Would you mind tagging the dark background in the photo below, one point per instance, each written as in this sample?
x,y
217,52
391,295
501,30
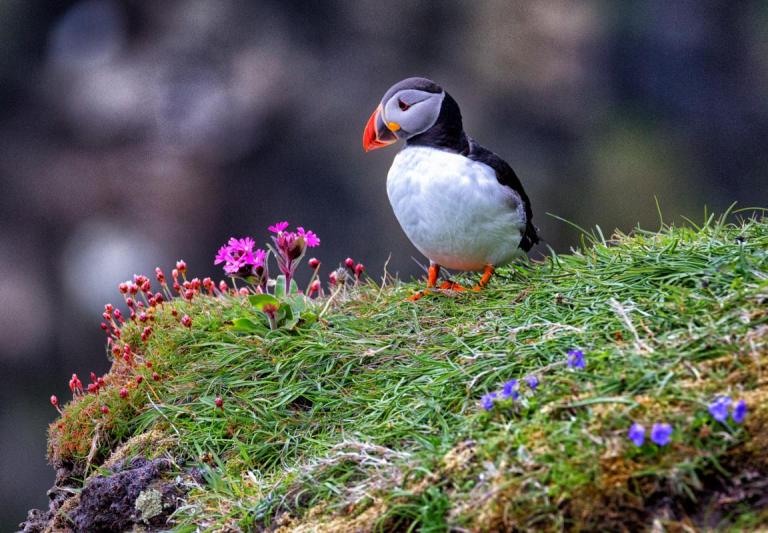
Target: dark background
x,y
135,133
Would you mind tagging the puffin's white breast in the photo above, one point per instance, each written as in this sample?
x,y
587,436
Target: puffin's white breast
x,y
454,210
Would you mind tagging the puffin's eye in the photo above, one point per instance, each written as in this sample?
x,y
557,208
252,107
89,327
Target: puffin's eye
x,y
403,106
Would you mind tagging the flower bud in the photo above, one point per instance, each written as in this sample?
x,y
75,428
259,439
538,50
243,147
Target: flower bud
x,y
123,393
105,409
92,388
54,400
93,376
142,317
100,383
350,263
108,308
314,287
359,269
155,376
333,278
313,263
123,288
159,276
219,402
181,266
186,321
139,379
104,326
223,287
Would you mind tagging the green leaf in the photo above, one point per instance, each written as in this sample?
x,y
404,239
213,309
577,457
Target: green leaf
x,y
260,300
246,325
280,287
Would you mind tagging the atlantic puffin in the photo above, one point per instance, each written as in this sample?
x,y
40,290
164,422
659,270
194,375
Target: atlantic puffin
x,y
461,205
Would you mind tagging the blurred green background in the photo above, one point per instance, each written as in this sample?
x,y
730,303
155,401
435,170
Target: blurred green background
x,y
133,133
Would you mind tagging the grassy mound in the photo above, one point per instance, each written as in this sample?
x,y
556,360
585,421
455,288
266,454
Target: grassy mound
x,y
370,417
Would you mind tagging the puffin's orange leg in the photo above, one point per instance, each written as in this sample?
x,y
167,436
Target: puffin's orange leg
x,y
452,286
434,271
487,273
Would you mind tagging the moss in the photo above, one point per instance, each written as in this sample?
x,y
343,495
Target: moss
x,y
368,418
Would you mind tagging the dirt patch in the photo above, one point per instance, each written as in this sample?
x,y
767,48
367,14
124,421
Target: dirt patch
x,y
134,493
108,503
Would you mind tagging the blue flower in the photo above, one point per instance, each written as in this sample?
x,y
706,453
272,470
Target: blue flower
x,y
532,382
576,359
510,390
719,408
739,411
637,434
660,434
487,401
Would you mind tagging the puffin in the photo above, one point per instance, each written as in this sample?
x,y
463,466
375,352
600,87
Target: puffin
x,y
461,205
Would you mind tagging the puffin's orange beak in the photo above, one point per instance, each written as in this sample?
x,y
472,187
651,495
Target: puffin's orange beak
x,y
377,134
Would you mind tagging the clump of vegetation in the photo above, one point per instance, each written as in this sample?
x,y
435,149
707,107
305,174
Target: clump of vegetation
x,y
619,386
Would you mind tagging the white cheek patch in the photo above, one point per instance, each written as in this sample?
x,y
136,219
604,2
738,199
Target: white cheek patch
x,y
422,115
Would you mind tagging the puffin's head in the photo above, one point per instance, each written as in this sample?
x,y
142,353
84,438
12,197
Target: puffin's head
x,y
409,107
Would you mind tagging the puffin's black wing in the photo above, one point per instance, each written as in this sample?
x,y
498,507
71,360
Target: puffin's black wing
x,y
507,176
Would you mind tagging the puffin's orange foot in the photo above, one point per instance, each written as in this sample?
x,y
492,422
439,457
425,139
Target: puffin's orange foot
x,y
487,273
451,286
418,296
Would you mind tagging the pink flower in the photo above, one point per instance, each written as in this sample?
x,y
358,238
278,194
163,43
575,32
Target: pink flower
x,y
239,258
310,237
278,227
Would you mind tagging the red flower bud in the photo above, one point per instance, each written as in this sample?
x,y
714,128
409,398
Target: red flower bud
x,y
129,302
93,375
219,402
350,263
123,288
148,364
160,276
139,379
189,294
332,278
104,326
118,314
181,266
54,400
105,409
92,388
155,376
223,287
186,321
159,298
108,308
123,392
359,268
314,263
142,317
314,287
100,382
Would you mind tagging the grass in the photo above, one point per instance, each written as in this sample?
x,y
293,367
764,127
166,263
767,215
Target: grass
x,y
369,419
